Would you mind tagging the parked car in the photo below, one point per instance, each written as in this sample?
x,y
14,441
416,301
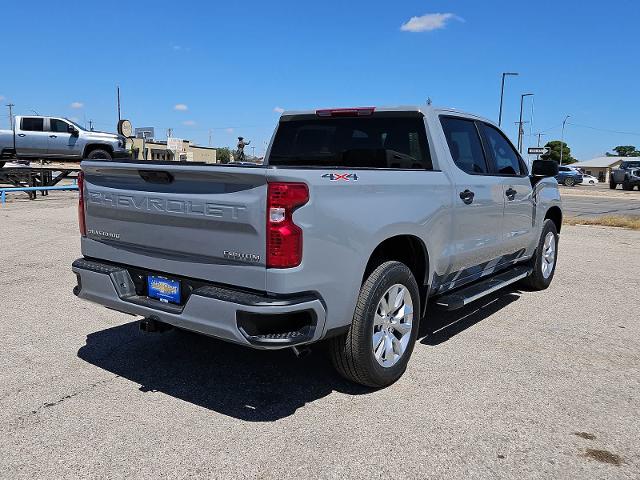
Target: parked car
x,y
589,179
627,174
357,220
568,176
53,138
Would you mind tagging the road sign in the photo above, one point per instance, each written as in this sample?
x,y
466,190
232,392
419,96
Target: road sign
x,y
537,150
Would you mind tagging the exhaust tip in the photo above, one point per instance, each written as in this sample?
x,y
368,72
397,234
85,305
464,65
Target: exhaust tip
x,y
301,352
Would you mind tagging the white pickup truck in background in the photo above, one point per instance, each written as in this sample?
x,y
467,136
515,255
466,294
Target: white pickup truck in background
x,y
57,138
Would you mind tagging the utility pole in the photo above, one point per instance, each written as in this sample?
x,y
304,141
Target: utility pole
x,y
562,138
169,132
11,105
504,74
210,133
539,134
520,131
253,150
118,94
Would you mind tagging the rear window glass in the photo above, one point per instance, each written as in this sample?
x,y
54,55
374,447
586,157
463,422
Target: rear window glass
x,y
32,124
358,142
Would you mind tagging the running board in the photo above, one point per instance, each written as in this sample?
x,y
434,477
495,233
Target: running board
x,y
475,291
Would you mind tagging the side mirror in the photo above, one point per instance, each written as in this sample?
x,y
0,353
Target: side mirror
x,y
544,168
72,130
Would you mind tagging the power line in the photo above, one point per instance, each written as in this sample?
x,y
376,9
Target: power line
x,y
603,129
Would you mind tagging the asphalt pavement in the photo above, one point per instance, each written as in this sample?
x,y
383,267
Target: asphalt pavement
x,y
522,385
597,201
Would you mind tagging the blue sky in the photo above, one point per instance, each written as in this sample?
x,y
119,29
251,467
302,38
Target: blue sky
x,y
233,64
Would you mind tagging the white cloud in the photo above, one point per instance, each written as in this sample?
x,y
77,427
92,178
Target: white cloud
x,y
229,130
181,107
189,123
278,109
428,22
77,105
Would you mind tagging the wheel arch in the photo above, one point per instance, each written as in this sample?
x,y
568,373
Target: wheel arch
x,y
408,249
555,215
96,146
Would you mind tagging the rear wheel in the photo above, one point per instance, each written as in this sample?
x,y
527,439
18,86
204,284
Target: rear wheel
x,y
569,182
545,258
626,185
376,349
99,154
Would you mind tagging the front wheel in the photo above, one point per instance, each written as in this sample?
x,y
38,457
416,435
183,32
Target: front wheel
x,y
626,185
569,182
376,349
99,154
544,259
612,185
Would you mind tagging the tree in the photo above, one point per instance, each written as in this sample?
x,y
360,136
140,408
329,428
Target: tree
x,y
625,151
223,155
554,152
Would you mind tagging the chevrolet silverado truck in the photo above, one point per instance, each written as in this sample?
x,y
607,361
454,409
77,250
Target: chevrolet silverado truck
x,y
358,219
52,138
627,175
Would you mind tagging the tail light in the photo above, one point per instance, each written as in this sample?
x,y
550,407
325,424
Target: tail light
x,y
284,238
81,219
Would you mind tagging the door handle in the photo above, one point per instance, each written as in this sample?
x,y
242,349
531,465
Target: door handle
x,y
467,196
510,193
21,135
53,136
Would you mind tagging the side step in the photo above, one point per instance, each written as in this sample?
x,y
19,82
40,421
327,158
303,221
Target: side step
x,y
475,291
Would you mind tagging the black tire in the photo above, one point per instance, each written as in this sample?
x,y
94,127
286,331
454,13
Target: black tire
x,y
626,185
569,182
537,280
99,154
352,353
612,185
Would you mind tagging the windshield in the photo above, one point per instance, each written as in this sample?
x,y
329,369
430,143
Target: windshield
x,y
631,164
384,141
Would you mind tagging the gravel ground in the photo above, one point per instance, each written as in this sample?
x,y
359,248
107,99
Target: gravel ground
x,y
523,385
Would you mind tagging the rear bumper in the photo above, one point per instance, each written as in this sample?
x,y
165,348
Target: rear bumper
x,y
250,319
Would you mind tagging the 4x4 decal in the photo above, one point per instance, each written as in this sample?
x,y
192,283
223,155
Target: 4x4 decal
x,y
346,177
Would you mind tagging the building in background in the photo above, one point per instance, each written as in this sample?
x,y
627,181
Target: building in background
x,y
159,151
600,167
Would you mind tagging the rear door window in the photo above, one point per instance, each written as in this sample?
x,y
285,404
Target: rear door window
x,y
464,144
29,124
382,140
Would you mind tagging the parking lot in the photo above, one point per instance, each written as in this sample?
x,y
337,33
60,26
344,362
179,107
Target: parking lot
x,y
521,385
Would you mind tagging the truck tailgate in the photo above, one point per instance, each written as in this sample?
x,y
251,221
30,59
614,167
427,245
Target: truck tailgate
x,y
198,221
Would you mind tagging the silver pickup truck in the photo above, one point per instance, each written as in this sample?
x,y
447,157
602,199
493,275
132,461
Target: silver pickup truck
x,y
358,218
53,138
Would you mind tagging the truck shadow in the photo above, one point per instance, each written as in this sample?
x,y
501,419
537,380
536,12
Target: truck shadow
x,y
251,385
438,326
247,384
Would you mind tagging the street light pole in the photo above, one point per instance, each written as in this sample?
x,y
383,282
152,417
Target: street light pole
x,y
562,138
520,131
504,74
